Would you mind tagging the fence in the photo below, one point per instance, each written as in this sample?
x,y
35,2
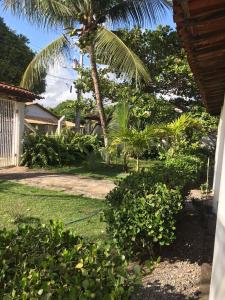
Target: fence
x,y
8,133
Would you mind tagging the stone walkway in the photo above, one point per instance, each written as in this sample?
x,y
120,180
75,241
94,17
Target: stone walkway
x,y
70,184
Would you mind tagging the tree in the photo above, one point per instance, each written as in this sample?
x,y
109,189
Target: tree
x,y
162,53
86,20
15,56
67,108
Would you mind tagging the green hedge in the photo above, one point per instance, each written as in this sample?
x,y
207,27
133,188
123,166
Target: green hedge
x,y
142,210
46,262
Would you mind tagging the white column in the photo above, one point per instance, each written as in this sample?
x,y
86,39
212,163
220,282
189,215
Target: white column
x,y
217,288
19,131
219,159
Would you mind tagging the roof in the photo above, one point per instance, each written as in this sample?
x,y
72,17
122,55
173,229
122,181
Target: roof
x,y
20,94
200,25
40,121
43,108
69,124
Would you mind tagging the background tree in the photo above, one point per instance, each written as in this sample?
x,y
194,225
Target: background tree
x,y
67,108
163,55
15,57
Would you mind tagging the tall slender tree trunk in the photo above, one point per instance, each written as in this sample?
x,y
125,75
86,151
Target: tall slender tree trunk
x,y
98,96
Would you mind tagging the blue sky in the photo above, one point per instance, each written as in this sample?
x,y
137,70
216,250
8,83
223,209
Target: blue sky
x,y
57,89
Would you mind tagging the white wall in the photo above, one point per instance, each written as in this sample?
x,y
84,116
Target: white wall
x,y
34,110
217,289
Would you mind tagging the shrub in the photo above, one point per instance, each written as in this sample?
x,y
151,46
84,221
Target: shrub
x,y
139,220
46,262
40,151
185,172
142,209
57,150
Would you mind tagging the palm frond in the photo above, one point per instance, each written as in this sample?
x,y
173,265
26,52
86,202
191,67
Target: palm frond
x,y
41,62
119,124
43,13
111,50
138,13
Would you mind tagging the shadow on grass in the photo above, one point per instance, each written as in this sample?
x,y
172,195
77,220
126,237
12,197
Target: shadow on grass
x,y
22,219
99,171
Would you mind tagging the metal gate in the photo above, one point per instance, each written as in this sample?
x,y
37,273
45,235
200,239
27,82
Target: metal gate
x,y
7,133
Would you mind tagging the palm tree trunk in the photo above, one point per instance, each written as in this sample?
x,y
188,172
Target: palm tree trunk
x,y
138,165
98,96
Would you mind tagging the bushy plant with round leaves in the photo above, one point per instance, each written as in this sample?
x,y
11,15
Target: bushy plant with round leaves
x,y
48,262
143,216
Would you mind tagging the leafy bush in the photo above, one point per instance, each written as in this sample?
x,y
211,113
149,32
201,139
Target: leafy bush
x,y
46,262
40,151
57,150
185,172
142,219
141,211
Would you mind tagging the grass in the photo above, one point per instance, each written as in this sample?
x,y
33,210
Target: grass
x,y
20,204
99,170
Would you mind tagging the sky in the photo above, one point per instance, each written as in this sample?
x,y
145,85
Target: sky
x,y
60,77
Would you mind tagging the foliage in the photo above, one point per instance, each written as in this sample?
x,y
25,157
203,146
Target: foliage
x,y
87,22
143,217
46,262
15,56
40,151
186,171
67,108
57,150
141,210
90,19
164,57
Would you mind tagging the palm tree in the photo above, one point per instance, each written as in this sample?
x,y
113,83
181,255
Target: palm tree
x,y
177,132
88,20
119,131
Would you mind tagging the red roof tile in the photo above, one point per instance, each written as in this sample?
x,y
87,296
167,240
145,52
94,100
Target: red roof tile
x,y
18,91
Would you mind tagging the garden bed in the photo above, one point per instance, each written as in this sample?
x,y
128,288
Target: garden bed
x,y
178,275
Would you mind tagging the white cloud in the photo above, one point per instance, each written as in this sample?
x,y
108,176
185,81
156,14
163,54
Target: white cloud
x,y
59,81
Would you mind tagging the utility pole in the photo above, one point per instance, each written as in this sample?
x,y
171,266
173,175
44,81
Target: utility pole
x,y
79,92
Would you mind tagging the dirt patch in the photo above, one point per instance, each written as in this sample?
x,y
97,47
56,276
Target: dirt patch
x,y
70,184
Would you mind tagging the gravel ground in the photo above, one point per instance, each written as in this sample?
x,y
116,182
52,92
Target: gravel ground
x,y
178,275
70,184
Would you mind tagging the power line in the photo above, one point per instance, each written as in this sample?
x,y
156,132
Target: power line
x,y
63,78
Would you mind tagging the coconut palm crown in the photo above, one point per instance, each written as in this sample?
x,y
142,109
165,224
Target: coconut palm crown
x,y
92,22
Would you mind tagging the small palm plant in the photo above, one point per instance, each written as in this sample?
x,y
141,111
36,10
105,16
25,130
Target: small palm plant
x,y
177,132
91,22
129,140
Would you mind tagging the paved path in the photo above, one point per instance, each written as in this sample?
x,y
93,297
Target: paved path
x,y
71,184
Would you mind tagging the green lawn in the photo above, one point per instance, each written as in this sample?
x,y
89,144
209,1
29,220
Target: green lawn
x,y
99,170
21,204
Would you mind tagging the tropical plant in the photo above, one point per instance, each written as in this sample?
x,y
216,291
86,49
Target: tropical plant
x,y
127,139
119,131
181,136
87,20
49,262
68,148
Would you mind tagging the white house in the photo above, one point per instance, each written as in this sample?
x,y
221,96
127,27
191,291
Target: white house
x,y
12,103
40,118
201,27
